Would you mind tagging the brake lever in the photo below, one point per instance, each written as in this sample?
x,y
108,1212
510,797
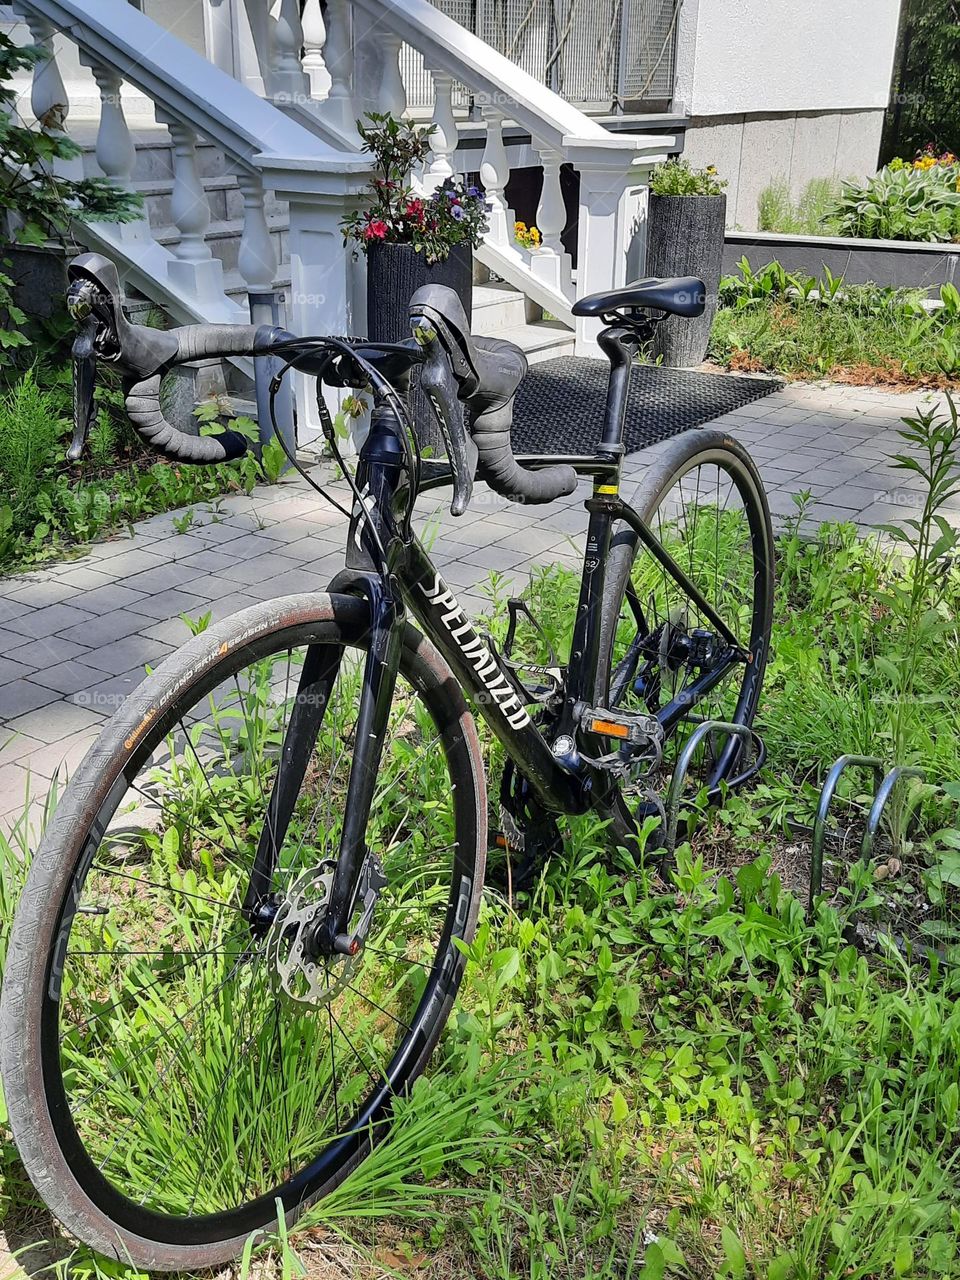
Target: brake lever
x,y
84,356
440,387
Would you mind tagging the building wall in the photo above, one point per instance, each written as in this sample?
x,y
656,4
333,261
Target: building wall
x,y
750,151
776,89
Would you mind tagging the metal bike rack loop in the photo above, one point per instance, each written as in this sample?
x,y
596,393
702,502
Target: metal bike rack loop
x,y
884,787
672,803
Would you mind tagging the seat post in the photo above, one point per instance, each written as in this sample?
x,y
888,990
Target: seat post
x,y
619,345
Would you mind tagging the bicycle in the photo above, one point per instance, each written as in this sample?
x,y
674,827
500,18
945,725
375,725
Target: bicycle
x,y
241,935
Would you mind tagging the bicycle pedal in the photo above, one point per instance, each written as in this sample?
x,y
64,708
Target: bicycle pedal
x,y
635,730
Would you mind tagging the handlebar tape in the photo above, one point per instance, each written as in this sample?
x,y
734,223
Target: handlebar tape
x,y
194,342
500,469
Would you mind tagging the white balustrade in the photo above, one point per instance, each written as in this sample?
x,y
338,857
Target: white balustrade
x,y
392,98
49,100
550,263
494,175
287,79
195,267
443,140
314,39
338,106
257,259
116,154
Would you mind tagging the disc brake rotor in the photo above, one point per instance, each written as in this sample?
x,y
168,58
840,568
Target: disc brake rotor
x,y
300,976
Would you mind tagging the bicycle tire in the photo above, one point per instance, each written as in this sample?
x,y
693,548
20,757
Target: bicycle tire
x,y
32,1073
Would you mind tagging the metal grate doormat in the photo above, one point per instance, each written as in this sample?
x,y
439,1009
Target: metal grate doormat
x,y
560,404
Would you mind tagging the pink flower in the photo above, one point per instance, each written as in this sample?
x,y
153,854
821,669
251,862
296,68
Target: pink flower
x,y
376,229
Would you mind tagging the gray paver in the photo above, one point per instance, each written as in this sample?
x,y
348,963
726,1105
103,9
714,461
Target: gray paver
x,y
22,696
13,670
45,652
56,720
49,621
123,655
68,677
106,628
173,602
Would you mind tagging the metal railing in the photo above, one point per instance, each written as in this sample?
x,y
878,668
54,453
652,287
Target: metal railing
x,y
609,55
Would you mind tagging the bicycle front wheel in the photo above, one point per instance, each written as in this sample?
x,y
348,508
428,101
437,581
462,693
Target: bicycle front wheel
x,y
172,1066
703,498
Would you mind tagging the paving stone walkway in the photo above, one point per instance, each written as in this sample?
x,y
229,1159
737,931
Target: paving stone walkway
x,y
75,637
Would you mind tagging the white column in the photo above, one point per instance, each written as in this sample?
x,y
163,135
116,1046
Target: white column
x,y
494,175
314,38
257,258
550,263
116,154
392,97
195,268
338,106
287,80
49,100
322,274
611,230
443,140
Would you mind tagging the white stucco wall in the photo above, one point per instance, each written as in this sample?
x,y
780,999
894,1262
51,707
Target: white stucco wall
x,y
747,56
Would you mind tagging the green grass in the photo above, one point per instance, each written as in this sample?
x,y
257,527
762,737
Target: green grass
x,y
647,1080
814,213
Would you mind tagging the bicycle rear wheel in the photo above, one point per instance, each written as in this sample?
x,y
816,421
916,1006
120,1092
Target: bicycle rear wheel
x,y
173,1068
704,500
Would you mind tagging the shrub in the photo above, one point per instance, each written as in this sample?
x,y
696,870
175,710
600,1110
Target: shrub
x,y
677,178
903,204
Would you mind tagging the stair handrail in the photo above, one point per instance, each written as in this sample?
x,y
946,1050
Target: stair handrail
x,y
496,81
185,84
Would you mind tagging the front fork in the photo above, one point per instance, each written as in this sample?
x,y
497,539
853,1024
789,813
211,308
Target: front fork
x,y
376,698
370,576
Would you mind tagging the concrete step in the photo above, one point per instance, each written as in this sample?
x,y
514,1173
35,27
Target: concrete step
x,y
153,154
497,307
223,195
543,340
223,237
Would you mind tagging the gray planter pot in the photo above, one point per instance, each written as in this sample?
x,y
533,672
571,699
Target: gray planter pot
x,y
685,238
394,273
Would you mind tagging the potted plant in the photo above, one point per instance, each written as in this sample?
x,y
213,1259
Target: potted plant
x,y
410,238
686,224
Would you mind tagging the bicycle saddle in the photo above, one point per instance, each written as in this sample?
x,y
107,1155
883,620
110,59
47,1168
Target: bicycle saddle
x,y
680,296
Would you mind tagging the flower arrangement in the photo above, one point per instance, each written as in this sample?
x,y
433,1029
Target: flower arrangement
x,y
528,237
677,178
929,158
454,214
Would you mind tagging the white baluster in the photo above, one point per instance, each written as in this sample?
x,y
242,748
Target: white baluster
x,y
339,107
49,100
392,97
195,267
257,259
443,141
550,262
116,154
494,175
287,80
314,38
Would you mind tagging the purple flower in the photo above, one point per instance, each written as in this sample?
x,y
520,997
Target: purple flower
x,y
473,191
457,213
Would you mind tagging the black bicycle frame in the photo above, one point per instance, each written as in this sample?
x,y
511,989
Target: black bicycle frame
x,y
387,565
